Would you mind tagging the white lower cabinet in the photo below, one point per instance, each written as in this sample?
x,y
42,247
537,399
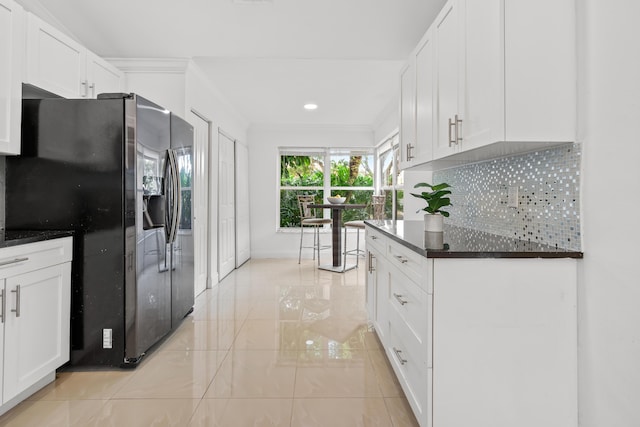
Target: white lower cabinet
x,y
35,285
483,342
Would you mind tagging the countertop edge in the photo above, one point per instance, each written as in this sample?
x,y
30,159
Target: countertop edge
x,y
433,253
22,237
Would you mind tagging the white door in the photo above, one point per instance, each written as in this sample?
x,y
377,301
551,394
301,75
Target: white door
x,y
200,202
226,206
407,112
243,234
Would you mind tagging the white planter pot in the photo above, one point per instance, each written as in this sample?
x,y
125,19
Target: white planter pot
x,y
433,223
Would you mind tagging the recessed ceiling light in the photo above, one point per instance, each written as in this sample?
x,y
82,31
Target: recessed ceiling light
x,y
310,106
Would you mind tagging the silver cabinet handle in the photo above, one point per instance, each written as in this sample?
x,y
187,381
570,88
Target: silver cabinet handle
x,y
371,258
458,130
14,261
451,141
399,298
400,359
409,150
85,88
17,309
401,259
92,86
374,238
2,306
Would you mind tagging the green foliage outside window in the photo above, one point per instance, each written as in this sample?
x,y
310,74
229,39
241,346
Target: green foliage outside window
x,y
308,171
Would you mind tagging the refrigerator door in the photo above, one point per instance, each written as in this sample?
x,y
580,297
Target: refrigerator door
x,y
148,295
182,287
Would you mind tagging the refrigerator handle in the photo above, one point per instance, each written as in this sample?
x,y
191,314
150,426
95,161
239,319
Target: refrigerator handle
x,y
175,198
168,189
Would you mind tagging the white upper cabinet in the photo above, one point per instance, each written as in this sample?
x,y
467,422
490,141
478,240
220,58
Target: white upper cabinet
x,y
407,113
503,72
417,105
101,76
448,73
60,65
11,53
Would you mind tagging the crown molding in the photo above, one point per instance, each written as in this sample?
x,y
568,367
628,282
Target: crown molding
x,y
279,127
151,65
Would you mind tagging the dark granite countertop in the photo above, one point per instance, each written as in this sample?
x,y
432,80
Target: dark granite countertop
x,y
20,237
459,242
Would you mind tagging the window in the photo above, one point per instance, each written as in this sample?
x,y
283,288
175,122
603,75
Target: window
x,y
391,177
324,171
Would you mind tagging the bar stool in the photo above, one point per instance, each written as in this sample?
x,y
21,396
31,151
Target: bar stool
x,y
377,203
307,219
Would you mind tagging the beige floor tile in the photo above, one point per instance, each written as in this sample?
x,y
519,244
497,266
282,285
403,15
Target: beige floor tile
x,y
387,380
173,374
145,413
86,385
400,412
267,335
339,374
298,336
203,335
340,413
61,413
255,374
243,413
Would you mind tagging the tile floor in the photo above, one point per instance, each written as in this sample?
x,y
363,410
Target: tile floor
x,y
274,344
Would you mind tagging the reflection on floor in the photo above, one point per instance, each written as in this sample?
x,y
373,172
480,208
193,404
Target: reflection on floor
x,y
274,344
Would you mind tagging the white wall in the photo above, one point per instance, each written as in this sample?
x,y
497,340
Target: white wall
x,y
609,285
266,242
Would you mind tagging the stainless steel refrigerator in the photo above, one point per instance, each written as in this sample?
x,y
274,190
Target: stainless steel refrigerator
x,y
111,170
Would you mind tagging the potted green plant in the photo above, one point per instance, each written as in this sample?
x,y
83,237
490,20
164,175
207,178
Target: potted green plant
x,y
436,200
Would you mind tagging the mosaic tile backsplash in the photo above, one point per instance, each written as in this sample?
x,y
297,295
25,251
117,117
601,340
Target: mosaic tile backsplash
x,y
548,185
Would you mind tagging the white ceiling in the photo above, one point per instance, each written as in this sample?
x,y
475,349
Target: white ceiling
x,y
266,58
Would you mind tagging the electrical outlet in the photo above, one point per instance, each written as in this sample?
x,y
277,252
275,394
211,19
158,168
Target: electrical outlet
x,y
512,198
107,338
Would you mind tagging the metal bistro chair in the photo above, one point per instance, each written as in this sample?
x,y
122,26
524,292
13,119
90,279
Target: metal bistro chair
x,y
377,204
307,219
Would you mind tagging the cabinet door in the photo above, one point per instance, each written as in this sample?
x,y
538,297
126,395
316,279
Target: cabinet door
x,y
11,51
36,326
55,62
483,115
447,34
407,113
102,76
425,99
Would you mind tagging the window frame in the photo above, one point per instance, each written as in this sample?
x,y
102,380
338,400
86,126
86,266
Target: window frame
x,y
326,188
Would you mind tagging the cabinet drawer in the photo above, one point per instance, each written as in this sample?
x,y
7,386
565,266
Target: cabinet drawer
x,y
412,306
33,256
376,240
409,262
411,370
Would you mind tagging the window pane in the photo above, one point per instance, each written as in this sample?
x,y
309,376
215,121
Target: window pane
x,y
399,204
352,170
289,210
386,172
359,197
298,171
